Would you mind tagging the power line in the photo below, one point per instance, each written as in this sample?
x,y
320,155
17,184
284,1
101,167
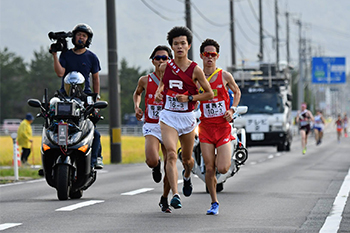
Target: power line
x,y
248,22
206,19
245,35
166,9
159,14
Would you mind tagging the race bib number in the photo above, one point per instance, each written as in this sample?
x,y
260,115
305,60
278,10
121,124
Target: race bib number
x,y
153,111
172,104
214,109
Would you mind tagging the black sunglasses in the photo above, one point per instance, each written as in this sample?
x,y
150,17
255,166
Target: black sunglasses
x,y
157,58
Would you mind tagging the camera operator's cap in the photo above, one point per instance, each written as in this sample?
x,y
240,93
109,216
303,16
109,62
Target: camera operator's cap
x,y
29,117
72,79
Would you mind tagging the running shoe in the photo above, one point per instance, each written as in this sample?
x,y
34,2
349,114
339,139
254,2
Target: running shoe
x,y
163,204
304,150
176,202
99,163
157,175
187,188
214,209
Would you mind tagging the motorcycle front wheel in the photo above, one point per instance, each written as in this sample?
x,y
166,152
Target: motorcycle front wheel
x,y
62,182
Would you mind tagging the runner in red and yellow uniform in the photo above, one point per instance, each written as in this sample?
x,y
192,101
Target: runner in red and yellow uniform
x,y
215,129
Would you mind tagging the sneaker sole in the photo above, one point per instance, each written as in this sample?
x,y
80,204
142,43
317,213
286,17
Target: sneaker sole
x,y
211,213
176,204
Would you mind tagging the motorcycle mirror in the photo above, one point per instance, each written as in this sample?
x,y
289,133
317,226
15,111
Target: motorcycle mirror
x,y
242,109
34,103
100,104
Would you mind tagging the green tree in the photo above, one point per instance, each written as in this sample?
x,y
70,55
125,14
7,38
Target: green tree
x,y
129,77
42,75
13,73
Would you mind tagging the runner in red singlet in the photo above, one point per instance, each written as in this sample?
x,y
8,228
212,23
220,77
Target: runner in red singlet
x,y
215,129
151,129
179,92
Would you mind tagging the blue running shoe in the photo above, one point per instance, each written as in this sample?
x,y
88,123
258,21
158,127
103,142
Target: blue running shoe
x,y
187,188
176,202
214,209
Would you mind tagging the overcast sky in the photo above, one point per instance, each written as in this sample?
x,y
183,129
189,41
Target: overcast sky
x,y
24,25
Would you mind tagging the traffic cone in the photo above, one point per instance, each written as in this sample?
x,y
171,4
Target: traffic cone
x,y
18,156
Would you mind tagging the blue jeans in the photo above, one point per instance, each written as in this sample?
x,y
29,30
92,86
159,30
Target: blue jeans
x,y
96,148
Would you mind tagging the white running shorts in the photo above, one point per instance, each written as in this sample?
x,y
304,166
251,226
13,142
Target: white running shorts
x,y
152,129
182,122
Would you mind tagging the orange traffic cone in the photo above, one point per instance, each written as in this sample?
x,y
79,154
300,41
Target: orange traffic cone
x,y
18,156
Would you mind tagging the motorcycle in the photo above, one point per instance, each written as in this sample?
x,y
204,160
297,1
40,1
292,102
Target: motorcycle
x,y
239,152
67,137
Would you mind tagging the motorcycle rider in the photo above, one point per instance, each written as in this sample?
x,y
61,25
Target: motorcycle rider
x,y
177,119
214,128
151,128
82,60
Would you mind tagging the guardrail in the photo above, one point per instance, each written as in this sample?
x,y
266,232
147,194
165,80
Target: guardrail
x,y
127,130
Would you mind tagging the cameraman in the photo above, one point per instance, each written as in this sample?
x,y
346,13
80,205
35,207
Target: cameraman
x,y
84,61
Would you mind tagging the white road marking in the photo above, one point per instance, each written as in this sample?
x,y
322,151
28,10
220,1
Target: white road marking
x,y
137,191
80,205
5,226
270,156
334,218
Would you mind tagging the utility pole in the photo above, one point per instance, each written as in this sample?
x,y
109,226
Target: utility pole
x,y
113,84
277,40
189,24
233,43
261,54
301,73
287,26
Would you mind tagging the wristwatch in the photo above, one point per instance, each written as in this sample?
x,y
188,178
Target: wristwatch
x,y
190,98
234,108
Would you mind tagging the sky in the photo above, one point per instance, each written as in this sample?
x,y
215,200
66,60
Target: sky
x,y
143,24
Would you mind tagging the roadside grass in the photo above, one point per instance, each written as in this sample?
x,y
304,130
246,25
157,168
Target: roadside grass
x,y
24,173
133,151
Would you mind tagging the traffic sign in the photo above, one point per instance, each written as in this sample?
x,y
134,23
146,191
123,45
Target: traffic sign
x,y
331,70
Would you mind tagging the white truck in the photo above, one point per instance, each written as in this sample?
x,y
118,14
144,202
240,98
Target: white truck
x,y
268,121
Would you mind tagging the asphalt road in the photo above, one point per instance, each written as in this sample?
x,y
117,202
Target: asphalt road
x,y
273,192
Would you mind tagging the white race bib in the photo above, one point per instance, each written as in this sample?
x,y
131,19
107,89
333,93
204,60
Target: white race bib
x,y
153,111
214,109
172,104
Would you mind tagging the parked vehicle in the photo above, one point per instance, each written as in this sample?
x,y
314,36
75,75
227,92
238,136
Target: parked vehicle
x,y
238,158
67,138
11,125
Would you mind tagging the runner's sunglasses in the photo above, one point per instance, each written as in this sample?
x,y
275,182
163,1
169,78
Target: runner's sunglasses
x,y
207,54
157,58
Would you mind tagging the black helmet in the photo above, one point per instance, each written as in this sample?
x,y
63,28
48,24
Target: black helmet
x,y
82,27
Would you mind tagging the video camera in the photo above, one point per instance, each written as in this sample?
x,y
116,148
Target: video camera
x,y
61,42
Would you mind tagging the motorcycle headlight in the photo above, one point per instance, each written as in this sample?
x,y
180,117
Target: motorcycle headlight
x,y
71,140
52,136
74,138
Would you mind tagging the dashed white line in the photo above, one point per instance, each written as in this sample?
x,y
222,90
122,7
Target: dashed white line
x,y
138,191
5,226
79,205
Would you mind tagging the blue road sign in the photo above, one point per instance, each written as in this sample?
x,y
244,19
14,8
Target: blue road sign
x,y
329,70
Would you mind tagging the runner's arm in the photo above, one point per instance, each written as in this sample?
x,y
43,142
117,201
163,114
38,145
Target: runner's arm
x,y
141,86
